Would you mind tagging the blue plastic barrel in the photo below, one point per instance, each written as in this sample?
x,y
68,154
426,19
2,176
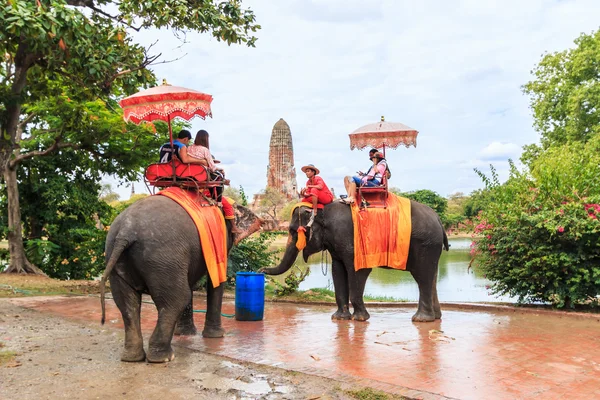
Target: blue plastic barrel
x,y
249,296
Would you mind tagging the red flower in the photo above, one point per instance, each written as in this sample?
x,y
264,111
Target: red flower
x,y
560,229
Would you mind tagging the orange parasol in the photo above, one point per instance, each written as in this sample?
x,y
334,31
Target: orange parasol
x,y
164,103
383,134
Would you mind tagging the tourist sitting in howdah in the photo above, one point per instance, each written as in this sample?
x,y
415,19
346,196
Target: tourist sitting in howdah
x,y
372,178
200,150
316,191
179,149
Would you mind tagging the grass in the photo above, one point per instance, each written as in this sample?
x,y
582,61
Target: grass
x,y
15,285
5,355
389,299
371,394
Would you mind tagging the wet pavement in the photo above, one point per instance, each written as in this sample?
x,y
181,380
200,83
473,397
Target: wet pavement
x,y
467,355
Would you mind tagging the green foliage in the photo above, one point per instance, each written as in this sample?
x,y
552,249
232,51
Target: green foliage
x,y
292,281
244,199
430,198
271,203
252,254
541,233
565,95
477,201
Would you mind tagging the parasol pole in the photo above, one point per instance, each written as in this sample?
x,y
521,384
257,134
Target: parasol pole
x,y
383,120
172,148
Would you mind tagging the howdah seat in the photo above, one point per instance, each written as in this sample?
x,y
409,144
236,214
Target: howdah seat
x,y
375,196
176,173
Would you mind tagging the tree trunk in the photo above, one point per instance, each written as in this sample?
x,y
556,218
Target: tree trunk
x,y
18,260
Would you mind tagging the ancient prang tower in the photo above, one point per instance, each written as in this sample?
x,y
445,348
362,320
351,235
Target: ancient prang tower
x,y
281,173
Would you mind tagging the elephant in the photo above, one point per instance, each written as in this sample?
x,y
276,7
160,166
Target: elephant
x,y
332,230
153,248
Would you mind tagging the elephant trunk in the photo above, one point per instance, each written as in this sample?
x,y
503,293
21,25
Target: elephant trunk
x,y
291,252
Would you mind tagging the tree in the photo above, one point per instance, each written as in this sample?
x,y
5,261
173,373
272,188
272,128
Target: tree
x,y
271,202
107,194
565,95
65,60
427,197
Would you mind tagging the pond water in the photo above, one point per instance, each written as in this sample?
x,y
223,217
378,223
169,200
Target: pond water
x,y
456,282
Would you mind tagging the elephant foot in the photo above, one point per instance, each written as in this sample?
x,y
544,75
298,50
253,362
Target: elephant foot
x,y
155,356
137,355
185,330
213,332
438,315
361,315
421,316
341,315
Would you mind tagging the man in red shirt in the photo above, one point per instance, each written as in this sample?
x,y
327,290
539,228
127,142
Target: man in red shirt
x,y
316,191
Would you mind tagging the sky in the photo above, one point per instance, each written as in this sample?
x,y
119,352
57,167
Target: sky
x,y
452,70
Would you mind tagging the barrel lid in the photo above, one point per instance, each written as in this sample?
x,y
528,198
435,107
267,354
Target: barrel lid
x,y
249,273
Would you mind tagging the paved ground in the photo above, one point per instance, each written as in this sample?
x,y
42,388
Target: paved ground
x,y
467,355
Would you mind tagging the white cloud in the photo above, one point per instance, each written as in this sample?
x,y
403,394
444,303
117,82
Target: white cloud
x,y
500,151
452,70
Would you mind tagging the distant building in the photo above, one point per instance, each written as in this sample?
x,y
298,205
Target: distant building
x,y
281,173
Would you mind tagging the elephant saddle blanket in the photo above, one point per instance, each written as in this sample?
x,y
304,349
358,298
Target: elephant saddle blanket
x,y
211,227
382,235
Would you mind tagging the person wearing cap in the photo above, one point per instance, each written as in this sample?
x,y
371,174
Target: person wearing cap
x,y
316,191
179,150
372,178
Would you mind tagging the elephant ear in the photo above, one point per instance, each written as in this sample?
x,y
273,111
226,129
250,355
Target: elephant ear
x,y
246,221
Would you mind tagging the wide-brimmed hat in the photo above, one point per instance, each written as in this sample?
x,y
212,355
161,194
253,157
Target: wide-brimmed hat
x,y
377,155
310,166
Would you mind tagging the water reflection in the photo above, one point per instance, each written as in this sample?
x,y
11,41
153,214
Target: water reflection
x,y
455,282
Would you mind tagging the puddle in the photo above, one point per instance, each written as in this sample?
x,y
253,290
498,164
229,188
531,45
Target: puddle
x,y
240,380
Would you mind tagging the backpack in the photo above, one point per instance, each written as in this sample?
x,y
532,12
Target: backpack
x,y
388,173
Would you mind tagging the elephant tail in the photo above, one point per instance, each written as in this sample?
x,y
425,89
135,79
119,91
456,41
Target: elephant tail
x,y
119,247
446,245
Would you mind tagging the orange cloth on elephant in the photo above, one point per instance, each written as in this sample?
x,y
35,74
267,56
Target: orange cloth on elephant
x,y
212,231
382,235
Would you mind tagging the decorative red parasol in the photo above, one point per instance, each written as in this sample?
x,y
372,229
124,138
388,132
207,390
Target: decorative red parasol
x,y
383,134
164,103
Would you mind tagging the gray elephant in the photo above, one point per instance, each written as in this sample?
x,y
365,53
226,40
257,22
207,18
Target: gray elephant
x,y
332,230
153,247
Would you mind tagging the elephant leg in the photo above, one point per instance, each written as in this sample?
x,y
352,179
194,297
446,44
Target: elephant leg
x,y
214,301
185,325
129,302
425,277
169,308
357,289
340,286
437,310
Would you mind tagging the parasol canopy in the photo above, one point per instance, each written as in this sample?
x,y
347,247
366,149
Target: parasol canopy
x,y
383,134
164,103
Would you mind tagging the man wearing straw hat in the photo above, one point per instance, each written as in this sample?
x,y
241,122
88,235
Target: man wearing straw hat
x,y
316,191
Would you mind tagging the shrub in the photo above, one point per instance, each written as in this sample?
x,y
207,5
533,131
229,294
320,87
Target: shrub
x,y
540,236
251,254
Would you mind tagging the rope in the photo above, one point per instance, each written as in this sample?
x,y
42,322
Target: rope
x,y
34,292
324,271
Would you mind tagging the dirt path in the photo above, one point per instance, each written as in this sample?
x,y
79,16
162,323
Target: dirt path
x,y
62,359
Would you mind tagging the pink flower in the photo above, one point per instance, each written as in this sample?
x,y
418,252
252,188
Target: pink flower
x,y
560,229
489,236
561,212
